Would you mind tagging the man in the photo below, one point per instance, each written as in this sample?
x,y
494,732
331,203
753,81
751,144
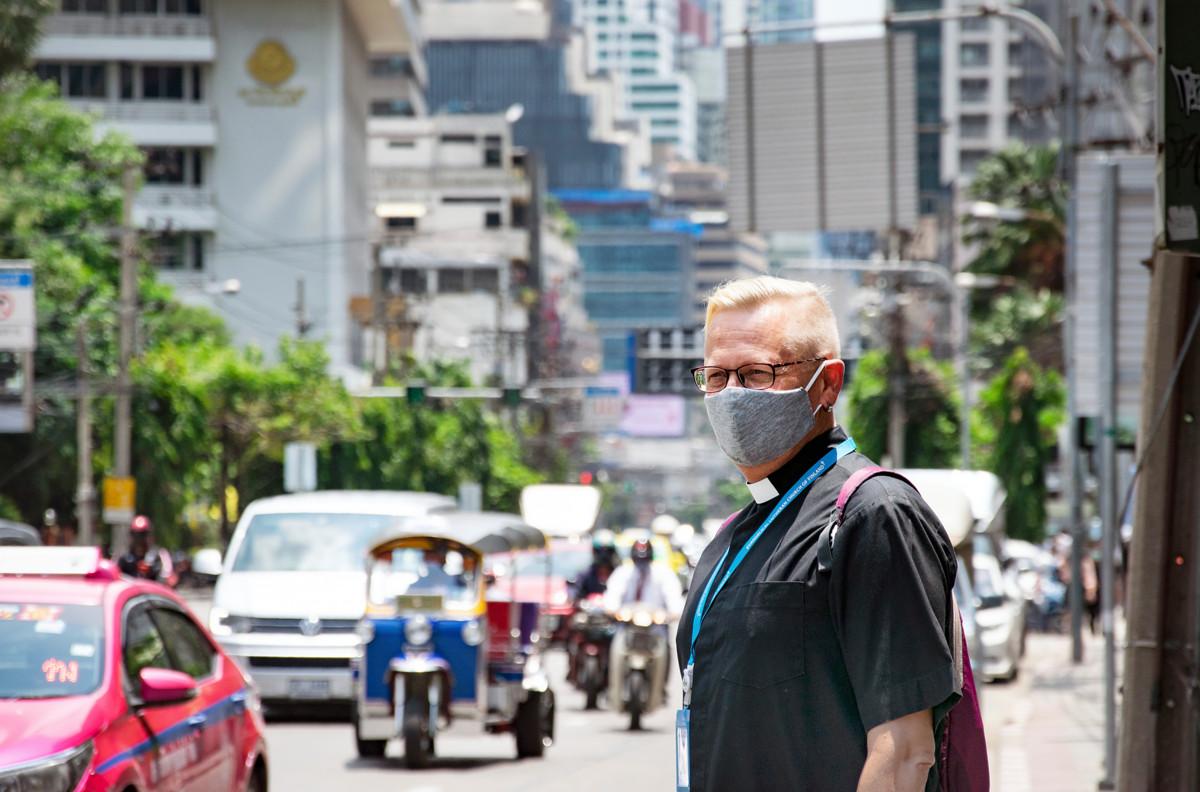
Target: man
x,y
604,562
809,676
144,559
652,586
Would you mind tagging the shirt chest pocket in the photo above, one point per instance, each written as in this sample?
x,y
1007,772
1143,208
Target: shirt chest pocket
x,y
763,640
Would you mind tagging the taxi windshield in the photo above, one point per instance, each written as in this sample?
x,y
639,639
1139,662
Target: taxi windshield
x,y
49,650
415,571
309,542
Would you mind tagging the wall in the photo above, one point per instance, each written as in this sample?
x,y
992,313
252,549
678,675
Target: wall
x,y
289,176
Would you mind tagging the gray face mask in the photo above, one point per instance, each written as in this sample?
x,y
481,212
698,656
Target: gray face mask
x,y
754,427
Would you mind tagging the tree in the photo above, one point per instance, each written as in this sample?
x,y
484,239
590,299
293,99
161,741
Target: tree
x,y
20,25
1019,412
932,402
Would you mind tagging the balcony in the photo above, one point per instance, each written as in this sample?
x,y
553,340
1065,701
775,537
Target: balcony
x,y
160,39
384,180
175,207
156,123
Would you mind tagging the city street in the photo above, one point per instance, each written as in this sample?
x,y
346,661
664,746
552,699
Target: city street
x,y
593,751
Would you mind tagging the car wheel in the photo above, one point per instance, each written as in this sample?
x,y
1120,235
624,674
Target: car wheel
x,y
367,749
529,727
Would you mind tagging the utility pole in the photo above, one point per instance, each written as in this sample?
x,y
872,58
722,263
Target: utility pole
x,y
1108,455
379,320
127,314
85,491
303,323
897,379
533,278
1072,464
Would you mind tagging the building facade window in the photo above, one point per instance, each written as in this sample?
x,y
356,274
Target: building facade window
x,y
392,108
974,55
161,7
177,166
976,24
974,90
973,127
493,151
76,80
178,252
400,223
84,7
493,220
161,82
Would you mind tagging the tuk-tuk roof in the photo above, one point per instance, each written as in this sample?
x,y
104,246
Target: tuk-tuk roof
x,y
486,532
15,533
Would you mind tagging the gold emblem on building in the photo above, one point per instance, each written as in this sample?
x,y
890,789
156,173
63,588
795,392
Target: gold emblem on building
x,y
271,64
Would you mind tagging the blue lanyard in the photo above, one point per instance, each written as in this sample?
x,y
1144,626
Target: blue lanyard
x,y
815,472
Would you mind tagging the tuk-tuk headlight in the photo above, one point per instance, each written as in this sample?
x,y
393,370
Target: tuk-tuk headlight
x,y
418,631
472,633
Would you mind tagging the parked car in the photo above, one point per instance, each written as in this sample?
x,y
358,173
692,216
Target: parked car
x,y
293,586
1000,616
108,682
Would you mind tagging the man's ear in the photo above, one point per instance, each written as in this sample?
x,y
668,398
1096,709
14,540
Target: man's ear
x,y
834,377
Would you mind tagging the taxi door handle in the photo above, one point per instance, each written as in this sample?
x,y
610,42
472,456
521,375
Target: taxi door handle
x,y
197,721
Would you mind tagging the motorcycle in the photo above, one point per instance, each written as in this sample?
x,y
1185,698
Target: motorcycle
x,y
639,656
588,644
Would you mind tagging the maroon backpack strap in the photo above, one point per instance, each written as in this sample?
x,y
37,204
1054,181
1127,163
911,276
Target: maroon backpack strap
x,y
851,486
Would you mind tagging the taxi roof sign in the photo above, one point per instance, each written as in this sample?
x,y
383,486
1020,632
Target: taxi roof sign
x,y
73,561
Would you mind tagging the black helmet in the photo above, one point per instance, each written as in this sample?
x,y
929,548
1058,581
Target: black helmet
x,y
642,550
604,547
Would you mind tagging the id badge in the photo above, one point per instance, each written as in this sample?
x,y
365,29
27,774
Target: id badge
x,y
683,719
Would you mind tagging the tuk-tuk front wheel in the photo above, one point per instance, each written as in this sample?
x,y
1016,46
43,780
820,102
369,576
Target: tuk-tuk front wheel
x,y
534,725
367,749
418,742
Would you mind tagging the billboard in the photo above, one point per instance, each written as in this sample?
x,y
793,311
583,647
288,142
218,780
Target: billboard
x,y
18,317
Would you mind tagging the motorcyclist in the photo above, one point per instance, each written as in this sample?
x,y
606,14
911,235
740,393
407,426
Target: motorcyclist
x,y
604,562
650,585
144,559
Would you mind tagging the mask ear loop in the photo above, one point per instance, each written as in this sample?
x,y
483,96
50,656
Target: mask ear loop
x,y
808,387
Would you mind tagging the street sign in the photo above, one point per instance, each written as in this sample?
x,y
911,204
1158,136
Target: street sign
x,y
299,467
1179,103
18,317
120,499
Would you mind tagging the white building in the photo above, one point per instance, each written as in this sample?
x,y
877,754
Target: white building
x,y
638,40
988,74
253,117
453,199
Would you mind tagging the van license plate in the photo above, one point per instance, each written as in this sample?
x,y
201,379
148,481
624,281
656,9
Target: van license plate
x,y
308,688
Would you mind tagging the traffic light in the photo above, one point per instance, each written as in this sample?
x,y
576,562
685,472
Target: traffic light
x,y
512,397
415,394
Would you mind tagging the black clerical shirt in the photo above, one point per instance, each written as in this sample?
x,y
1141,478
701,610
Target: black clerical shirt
x,y
795,664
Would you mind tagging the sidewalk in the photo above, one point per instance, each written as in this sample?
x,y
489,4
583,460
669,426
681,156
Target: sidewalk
x,y
1045,731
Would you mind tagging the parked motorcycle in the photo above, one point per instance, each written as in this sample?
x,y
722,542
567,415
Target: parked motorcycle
x,y
588,644
638,662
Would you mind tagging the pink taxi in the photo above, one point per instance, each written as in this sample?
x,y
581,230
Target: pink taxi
x,y
110,683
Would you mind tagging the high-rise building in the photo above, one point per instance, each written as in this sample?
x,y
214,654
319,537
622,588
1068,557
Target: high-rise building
x,y
492,57
253,118
929,102
706,67
639,41
996,88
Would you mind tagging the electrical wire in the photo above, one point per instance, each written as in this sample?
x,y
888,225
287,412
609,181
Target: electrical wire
x,y
1161,413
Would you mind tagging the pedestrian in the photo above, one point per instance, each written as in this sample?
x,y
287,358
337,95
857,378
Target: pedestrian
x,y
804,671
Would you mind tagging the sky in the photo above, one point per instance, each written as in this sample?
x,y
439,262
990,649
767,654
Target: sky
x,y
848,11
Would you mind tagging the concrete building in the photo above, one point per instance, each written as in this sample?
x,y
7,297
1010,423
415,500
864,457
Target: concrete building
x,y
485,56
996,87
253,117
823,157
928,37
696,193
639,41
452,197
706,67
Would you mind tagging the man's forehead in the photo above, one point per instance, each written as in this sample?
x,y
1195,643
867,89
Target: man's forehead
x,y
760,330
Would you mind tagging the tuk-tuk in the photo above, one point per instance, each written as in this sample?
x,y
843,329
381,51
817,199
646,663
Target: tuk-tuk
x,y
435,648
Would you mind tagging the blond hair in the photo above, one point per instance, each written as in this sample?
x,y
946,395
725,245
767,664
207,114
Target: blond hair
x,y
814,328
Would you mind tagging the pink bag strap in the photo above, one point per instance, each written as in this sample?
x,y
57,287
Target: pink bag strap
x,y
851,486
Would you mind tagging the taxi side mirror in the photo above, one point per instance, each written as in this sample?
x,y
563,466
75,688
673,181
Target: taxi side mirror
x,y
165,686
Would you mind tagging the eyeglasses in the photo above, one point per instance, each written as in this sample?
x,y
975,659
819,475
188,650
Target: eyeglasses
x,y
755,376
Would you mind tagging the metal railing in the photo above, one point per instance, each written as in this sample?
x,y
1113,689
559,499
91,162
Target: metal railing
x,y
128,25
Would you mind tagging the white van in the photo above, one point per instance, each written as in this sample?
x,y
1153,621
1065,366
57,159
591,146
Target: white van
x,y
293,586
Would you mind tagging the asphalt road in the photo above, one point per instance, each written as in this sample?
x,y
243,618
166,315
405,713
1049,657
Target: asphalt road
x,y
592,751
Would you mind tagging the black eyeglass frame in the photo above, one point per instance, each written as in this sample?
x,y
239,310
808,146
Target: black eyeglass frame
x,y
775,367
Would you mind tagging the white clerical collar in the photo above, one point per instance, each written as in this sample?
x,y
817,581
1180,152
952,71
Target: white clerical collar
x,y
763,490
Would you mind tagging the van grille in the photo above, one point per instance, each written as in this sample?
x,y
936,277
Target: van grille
x,y
299,662
292,626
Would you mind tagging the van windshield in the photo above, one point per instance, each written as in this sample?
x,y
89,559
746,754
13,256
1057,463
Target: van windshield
x,y
310,542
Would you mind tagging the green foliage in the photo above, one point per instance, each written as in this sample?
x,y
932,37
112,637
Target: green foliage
x,y
1021,317
932,402
20,22
1031,251
1020,410
210,420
